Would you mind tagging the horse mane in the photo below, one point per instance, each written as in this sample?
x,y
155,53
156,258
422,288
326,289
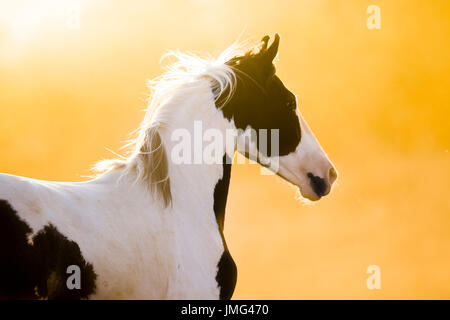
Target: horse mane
x,y
148,158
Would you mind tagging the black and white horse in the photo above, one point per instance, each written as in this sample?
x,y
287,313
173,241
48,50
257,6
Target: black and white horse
x,y
151,227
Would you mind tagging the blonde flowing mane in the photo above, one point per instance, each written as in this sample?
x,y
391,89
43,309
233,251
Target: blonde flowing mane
x,y
148,158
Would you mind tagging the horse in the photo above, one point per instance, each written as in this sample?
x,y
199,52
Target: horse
x,y
148,227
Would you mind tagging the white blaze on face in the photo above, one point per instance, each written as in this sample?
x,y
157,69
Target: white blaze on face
x,y
308,160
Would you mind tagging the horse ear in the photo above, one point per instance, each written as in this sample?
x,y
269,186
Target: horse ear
x,y
273,49
265,41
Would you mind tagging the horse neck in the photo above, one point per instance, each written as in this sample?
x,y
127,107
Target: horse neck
x,y
192,184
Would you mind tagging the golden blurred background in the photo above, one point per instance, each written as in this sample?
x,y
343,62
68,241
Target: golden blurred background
x,y
377,100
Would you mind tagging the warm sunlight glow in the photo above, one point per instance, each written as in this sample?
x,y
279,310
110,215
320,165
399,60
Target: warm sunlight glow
x,y
376,97
24,21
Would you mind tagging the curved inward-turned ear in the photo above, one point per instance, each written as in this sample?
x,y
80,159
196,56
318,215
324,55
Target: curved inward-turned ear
x,y
265,41
273,49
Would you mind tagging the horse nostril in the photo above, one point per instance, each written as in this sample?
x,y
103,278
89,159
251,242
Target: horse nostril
x,y
318,184
332,175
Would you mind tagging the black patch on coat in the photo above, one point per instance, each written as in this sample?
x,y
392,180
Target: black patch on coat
x,y
37,268
227,274
261,100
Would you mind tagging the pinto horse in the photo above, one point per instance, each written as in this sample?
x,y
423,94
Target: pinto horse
x,y
149,227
